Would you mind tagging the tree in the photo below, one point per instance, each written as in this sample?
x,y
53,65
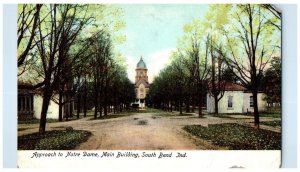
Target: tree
x,y
28,22
58,39
217,82
60,30
249,48
216,18
276,15
272,82
179,78
199,66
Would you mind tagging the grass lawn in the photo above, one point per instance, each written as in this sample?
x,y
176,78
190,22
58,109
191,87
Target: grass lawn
x,y
271,115
22,129
223,116
147,110
35,121
237,137
53,140
173,114
272,123
110,116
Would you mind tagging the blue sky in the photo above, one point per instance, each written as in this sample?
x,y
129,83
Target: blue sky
x,y
152,32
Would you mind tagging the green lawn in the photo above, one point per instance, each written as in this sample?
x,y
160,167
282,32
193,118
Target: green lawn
x,y
36,121
147,110
271,115
272,123
222,116
53,140
110,116
237,137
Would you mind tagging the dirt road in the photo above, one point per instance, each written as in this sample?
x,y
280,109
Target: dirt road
x,y
141,131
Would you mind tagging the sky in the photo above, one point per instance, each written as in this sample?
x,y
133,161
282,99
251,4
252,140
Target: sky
x,y
152,32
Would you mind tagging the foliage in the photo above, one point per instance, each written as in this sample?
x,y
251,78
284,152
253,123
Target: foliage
x,y
237,137
53,140
232,43
60,45
272,81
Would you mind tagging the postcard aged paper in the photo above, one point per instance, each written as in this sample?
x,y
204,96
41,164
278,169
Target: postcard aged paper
x,y
149,84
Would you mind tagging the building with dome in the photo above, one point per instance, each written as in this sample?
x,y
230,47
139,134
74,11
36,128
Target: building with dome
x,y
141,83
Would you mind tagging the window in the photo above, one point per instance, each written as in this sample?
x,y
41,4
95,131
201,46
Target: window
x,y
230,101
251,101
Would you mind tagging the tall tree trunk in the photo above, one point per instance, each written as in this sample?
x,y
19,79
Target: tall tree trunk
x,y
67,108
105,110
105,100
96,104
200,102
96,109
187,106
71,108
60,105
256,114
78,104
180,107
45,105
84,97
216,104
101,110
200,105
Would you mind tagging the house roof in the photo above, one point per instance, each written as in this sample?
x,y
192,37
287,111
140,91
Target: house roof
x,y
229,86
24,84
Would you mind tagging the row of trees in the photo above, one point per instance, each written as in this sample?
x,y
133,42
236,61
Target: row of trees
x,y
67,51
232,43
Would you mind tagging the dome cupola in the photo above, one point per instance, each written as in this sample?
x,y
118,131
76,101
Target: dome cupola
x,y
141,64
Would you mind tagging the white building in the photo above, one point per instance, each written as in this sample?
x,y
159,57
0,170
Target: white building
x,y
236,100
30,104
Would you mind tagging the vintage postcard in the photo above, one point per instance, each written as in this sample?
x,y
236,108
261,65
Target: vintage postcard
x,y
149,83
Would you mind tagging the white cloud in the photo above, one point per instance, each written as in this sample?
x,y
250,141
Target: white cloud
x,y
158,61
